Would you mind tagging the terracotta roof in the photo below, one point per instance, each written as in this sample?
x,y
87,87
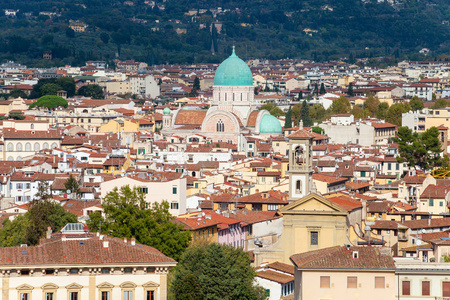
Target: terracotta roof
x,y
346,203
252,118
71,252
384,224
282,267
328,179
275,276
10,133
435,191
301,134
339,257
194,223
379,206
190,117
251,217
427,223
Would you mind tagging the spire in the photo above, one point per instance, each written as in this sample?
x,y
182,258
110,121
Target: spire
x,y
233,53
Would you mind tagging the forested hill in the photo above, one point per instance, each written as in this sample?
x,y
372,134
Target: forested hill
x,y
180,31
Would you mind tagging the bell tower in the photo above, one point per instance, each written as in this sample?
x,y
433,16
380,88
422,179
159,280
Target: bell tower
x,y
300,164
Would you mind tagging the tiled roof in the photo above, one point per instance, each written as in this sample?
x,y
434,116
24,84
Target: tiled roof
x,y
275,276
339,257
195,223
379,206
251,217
435,191
346,203
427,223
252,118
71,252
9,133
328,179
384,224
301,134
282,267
190,117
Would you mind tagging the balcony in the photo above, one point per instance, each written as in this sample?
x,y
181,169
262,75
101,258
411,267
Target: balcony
x,y
402,237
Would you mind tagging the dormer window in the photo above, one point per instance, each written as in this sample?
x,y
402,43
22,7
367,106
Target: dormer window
x,y
355,254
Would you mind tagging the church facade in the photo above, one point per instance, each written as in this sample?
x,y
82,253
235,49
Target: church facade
x,y
232,114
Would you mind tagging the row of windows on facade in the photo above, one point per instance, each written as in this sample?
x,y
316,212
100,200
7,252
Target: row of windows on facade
x,y
104,295
37,147
145,190
76,271
255,206
352,282
234,96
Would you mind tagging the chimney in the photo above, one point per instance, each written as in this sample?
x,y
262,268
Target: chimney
x,y
133,241
105,244
49,232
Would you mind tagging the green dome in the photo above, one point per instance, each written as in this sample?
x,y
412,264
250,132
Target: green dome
x,y
233,71
270,124
166,111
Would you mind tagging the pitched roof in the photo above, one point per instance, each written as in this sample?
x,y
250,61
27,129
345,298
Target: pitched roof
x,y
346,203
435,191
301,134
190,117
275,276
339,257
427,223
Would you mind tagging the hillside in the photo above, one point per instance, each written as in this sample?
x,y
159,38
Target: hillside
x,y
180,31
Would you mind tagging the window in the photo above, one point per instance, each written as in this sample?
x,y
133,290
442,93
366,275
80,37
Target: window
x,y
174,190
151,270
74,271
379,283
352,282
104,295
196,185
19,147
389,166
49,271
324,282
220,127
272,207
431,202
441,203
406,288
73,296
174,205
298,186
127,295
446,289
24,296
106,270
144,190
150,295
128,270
49,296
314,238
363,173
397,167
10,147
425,288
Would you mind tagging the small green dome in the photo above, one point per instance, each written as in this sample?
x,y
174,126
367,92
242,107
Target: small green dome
x,y
166,111
269,124
233,71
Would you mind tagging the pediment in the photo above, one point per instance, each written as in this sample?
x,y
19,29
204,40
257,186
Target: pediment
x,y
50,286
24,287
312,203
150,284
74,286
105,285
128,285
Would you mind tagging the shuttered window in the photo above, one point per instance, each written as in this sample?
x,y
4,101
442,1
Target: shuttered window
x,y
406,288
379,283
446,289
425,288
325,282
352,282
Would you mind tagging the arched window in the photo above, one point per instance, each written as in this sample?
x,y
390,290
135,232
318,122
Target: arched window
x,y
32,126
10,147
45,145
193,173
19,147
37,147
220,127
28,147
54,145
298,187
10,158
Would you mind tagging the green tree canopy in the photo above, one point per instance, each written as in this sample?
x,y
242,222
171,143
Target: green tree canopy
x,y
395,111
91,90
273,109
317,112
50,89
358,112
416,103
72,185
371,105
67,84
304,114
322,89
215,271
288,119
382,110
440,103
340,106
421,150
50,102
350,90
128,215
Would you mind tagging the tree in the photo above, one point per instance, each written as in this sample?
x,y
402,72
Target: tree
x,y
128,215
215,271
322,89
416,104
441,103
72,185
371,105
67,84
273,109
316,89
50,102
358,112
304,114
317,112
91,90
394,113
195,87
104,37
382,110
421,150
300,95
288,119
340,106
50,89
350,90
318,130
70,33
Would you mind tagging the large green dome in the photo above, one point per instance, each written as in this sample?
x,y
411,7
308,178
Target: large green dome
x,y
270,124
233,71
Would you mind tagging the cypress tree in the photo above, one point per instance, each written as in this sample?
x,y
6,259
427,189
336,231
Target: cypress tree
x,y
322,89
288,120
304,114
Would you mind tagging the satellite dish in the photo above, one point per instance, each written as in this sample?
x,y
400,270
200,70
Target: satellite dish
x,y
423,231
419,242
